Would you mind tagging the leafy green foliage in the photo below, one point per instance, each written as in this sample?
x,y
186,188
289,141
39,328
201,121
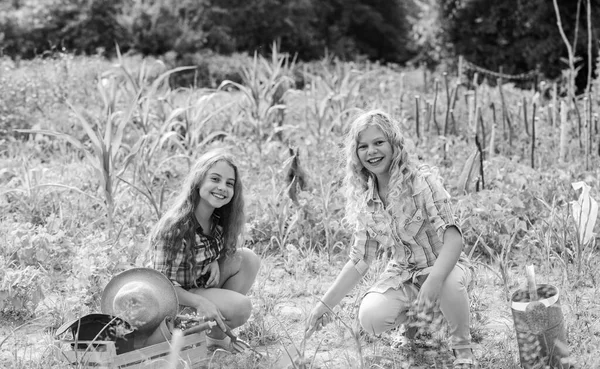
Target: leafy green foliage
x,y
372,28
52,230
55,25
518,35
304,27
157,27
90,26
255,25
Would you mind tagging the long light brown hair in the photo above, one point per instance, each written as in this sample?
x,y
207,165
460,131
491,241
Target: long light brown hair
x,y
178,222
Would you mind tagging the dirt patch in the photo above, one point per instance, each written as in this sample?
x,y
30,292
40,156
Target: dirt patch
x,y
284,295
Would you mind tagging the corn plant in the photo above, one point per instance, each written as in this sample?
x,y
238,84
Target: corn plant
x,y
553,233
321,114
105,145
330,209
335,91
264,84
144,149
145,88
191,122
186,136
29,197
286,221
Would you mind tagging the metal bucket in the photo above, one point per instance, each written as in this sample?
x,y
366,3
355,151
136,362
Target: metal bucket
x,y
541,335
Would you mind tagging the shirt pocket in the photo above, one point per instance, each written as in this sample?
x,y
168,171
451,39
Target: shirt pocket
x,y
413,224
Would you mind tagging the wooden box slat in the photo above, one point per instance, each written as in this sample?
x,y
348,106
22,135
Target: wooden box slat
x,y
103,354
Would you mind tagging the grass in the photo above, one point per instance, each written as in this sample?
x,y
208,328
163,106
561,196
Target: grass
x,y
64,233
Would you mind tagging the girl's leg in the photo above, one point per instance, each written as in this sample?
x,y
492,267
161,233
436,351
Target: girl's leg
x,y
235,307
380,312
454,303
238,273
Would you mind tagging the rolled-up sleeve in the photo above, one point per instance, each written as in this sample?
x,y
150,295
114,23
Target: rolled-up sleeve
x,y
364,250
439,206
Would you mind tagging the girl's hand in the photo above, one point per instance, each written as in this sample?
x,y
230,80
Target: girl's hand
x,y
429,293
214,274
210,312
319,317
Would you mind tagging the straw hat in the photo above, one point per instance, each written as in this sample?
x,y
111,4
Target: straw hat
x,y
143,297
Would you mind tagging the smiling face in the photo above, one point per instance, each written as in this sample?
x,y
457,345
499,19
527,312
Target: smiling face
x,y
217,188
375,152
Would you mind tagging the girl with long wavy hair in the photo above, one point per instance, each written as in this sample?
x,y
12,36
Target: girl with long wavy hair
x,y
399,206
197,242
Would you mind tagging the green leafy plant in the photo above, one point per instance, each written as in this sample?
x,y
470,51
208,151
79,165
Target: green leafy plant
x,y
263,85
105,145
22,288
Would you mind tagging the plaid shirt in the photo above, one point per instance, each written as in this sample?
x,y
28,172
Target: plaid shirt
x,y
412,235
205,250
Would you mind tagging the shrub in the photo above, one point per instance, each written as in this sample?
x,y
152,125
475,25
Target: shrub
x,y
37,27
211,68
157,27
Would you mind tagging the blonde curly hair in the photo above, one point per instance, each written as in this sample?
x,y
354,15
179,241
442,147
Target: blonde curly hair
x,y
403,167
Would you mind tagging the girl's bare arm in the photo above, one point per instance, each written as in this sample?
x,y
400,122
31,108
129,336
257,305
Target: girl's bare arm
x,y
448,255
345,281
442,267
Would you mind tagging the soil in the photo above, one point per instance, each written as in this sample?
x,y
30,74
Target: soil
x,y
283,296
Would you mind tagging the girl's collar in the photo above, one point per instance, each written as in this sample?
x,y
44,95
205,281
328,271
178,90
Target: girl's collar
x,y
372,194
214,222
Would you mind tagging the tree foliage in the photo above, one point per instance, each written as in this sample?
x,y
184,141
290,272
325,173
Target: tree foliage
x,y
30,28
158,26
518,35
374,28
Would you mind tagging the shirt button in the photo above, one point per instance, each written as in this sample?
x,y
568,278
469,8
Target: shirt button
x,y
418,218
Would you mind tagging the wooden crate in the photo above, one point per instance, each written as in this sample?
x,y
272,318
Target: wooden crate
x,y
102,354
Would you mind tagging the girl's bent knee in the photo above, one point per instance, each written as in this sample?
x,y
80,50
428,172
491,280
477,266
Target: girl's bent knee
x,y
243,312
250,260
380,312
369,325
370,318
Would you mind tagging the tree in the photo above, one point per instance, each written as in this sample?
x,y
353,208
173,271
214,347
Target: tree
x,y
375,28
518,35
255,24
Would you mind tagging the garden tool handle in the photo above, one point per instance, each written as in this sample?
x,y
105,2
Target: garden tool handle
x,y
199,328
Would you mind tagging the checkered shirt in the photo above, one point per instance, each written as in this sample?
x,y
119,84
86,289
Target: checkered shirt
x,y
205,250
412,235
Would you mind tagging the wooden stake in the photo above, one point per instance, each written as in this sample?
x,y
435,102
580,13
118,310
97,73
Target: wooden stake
x,y
435,96
533,136
525,115
417,116
562,146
